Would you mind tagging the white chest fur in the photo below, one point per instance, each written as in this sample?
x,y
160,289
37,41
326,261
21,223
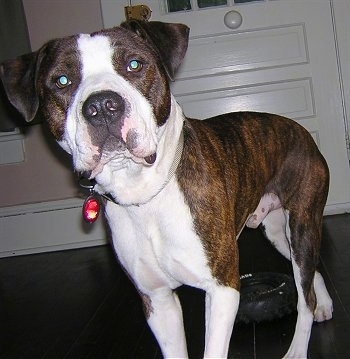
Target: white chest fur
x,y
157,244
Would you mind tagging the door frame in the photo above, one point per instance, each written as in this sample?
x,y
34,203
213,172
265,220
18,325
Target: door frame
x,y
340,14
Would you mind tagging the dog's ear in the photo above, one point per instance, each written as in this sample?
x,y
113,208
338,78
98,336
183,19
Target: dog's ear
x,y
169,40
19,79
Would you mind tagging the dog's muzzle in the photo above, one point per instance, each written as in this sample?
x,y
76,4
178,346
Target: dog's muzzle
x,y
106,111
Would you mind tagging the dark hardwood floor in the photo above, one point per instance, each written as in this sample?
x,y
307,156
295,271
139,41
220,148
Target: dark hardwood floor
x,y
79,304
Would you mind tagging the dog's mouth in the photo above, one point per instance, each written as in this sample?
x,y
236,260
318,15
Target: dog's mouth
x,y
98,148
92,173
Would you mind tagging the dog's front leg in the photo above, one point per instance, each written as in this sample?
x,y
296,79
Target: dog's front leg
x,y
221,306
164,316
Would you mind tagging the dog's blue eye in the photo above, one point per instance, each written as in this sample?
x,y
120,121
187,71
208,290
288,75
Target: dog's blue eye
x,y
62,81
134,66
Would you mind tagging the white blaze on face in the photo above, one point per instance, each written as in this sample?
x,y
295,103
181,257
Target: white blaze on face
x,y
96,54
98,74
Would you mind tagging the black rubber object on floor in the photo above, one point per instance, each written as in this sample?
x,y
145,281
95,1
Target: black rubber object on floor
x,y
266,296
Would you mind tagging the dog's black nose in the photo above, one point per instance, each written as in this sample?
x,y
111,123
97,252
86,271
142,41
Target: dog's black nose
x,y
103,107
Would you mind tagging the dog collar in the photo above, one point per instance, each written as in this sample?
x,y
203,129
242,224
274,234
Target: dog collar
x,y
92,204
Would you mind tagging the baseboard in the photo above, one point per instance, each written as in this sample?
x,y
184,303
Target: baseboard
x,y
48,226
58,225
337,208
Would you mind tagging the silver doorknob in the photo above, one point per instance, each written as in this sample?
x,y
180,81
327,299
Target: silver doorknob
x,y
233,19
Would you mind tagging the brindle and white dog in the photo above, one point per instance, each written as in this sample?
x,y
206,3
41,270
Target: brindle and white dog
x,y
185,188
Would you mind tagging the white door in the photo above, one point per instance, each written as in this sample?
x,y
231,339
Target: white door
x,y
281,59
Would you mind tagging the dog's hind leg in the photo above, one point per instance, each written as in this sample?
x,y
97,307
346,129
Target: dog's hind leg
x,y
274,229
309,282
298,347
274,226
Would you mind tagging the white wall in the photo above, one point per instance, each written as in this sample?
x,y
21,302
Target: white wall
x,y
39,208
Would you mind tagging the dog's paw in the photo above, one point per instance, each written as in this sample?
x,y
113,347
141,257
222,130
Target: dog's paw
x,y
323,312
324,307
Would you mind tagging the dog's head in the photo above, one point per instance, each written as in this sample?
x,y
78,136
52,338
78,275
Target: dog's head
x,y
104,95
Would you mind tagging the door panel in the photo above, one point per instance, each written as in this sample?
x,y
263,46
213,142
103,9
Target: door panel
x,y
281,59
292,99
233,52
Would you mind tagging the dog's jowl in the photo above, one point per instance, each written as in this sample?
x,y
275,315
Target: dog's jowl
x,y
181,189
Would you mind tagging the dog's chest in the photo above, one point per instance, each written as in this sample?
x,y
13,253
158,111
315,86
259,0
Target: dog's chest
x,y
156,242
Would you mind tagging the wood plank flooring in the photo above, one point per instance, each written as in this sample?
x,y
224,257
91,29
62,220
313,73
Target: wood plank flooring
x,y
79,304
